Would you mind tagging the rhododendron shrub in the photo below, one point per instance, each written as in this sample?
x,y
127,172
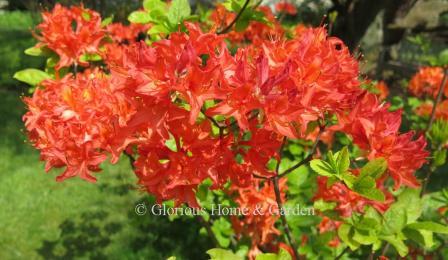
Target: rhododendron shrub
x,y
233,108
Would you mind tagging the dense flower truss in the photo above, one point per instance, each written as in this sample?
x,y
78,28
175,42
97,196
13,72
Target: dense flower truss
x,y
286,7
125,34
376,131
188,109
427,81
440,113
70,32
259,223
76,122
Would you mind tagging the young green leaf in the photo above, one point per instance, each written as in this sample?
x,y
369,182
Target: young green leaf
x,y
345,233
178,11
374,168
139,17
41,51
150,5
423,237
107,21
343,160
430,226
394,219
31,76
322,168
222,254
398,244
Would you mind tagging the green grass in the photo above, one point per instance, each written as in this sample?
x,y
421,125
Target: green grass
x,y
15,37
43,219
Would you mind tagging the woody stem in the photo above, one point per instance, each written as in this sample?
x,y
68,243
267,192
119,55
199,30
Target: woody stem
x,y
308,158
431,121
225,30
207,225
438,98
278,198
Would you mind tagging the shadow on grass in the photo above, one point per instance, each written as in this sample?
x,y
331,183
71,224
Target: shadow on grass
x,y
152,237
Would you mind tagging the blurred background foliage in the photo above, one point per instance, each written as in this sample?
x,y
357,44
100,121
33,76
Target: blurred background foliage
x,y
42,219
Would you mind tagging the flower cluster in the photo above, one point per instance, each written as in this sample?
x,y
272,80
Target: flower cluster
x,y
427,81
70,33
188,109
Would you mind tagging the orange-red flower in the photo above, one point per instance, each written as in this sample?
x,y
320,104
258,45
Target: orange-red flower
x,y
126,34
286,7
76,122
70,33
260,228
441,110
375,130
427,81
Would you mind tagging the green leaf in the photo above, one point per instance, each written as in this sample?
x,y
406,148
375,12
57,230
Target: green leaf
x,y
156,29
31,76
343,160
368,224
150,5
322,168
348,179
345,233
394,219
107,21
430,226
443,58
222,254
364,237
90,57
139,17
439,158
171,143
322,205
86,16
423,237
41,51
374,168
282,255
373,194
366,187
222,230
178,11
412,204
398,244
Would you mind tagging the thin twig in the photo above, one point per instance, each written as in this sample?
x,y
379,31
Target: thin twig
x,y
386,247
309,157
438,98
431,121
208,228
425,182
341,254
297,165
278,198
225,30
211,119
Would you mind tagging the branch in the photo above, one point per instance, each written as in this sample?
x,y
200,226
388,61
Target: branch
x,y
225,30
278,198
304,161
438,98
308,158
431,121
341,254
208,228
